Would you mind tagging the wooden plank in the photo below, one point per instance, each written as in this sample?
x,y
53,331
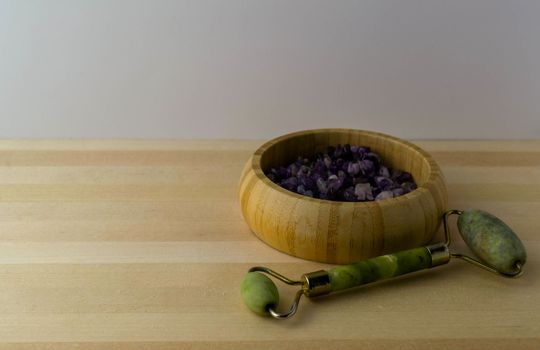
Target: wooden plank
x,y
141,244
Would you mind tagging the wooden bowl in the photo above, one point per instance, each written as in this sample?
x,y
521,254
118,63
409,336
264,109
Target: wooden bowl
x,y
341,232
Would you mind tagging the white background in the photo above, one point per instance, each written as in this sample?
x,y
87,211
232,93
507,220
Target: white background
x,y
256,69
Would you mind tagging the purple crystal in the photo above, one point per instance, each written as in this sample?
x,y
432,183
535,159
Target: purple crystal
x,y
383,171
404,177
301,190
349,195
282,172
293,169
367,167
383,182
334,184
327,161
408,186
353,168
321,186
398,191
384,195
307,182
363,192
291,183
272,177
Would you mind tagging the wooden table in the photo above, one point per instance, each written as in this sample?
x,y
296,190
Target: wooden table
x,y
141,244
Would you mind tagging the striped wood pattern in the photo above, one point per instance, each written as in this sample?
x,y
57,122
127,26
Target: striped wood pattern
x,y
141,244
341,232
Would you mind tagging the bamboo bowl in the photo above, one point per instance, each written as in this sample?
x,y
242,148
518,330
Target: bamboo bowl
x,y
341,232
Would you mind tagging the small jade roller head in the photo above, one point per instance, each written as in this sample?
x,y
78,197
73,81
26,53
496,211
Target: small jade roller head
x,y
498,247
260,294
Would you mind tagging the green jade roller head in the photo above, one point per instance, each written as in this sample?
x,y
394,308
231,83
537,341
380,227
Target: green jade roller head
x,y
499,249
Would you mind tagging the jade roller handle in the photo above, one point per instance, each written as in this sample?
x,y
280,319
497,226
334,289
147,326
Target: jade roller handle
x,y
386,266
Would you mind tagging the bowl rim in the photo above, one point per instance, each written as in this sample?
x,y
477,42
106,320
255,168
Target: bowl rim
x,y
257,155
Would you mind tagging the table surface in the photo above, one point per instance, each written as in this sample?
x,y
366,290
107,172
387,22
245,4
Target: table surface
x,y
142,244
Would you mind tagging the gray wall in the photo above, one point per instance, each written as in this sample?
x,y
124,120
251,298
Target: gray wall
x,y
255,69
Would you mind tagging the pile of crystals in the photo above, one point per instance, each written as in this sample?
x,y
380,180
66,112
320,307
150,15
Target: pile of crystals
x,y
343,173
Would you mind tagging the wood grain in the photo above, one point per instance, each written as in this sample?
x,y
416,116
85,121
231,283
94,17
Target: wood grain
x,y
141,244
341,232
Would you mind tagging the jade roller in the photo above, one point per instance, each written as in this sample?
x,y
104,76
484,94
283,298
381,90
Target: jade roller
x,y
498,248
